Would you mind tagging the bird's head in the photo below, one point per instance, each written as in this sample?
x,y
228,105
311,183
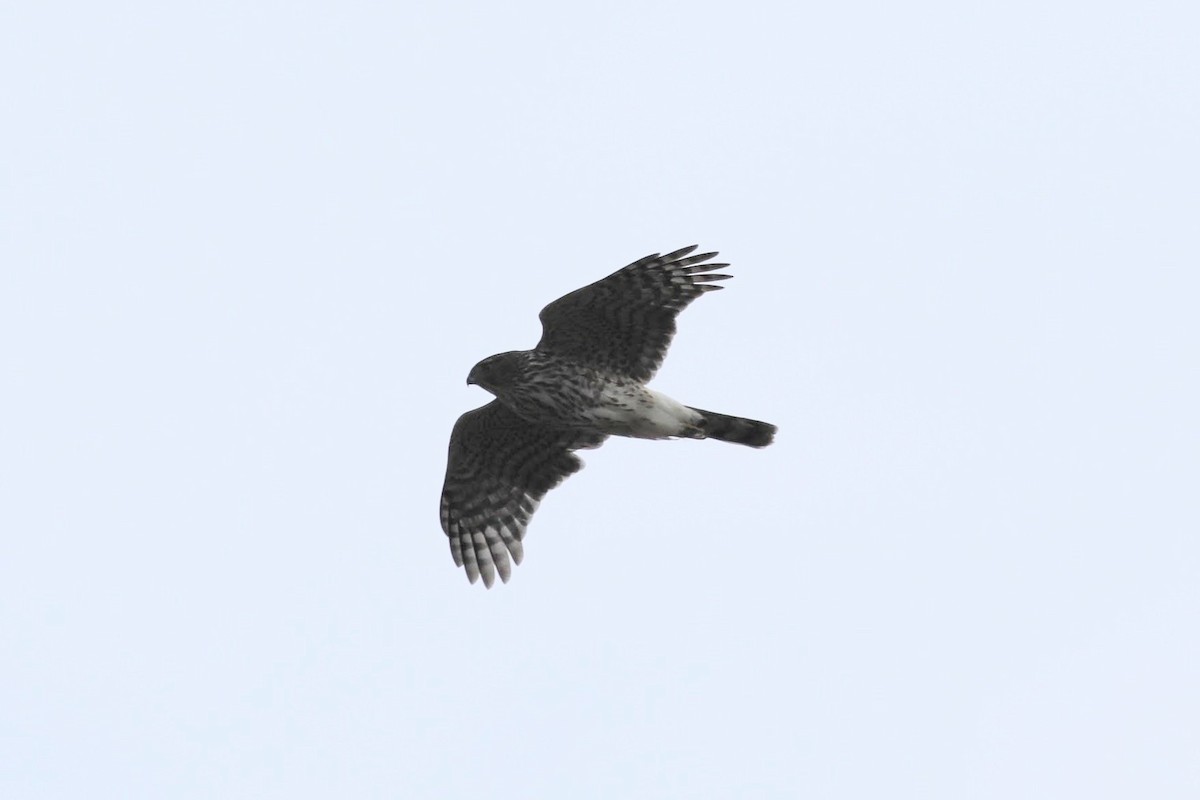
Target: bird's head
x,y
496,372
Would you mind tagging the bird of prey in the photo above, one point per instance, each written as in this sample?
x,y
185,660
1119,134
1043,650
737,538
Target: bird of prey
x,y
583,382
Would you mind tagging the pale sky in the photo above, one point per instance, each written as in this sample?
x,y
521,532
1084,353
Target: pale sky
x,y
249,252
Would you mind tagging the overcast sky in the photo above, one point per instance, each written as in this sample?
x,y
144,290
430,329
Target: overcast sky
x,y
249,252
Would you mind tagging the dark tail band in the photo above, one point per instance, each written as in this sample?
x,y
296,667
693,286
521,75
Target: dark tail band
x,y
738,430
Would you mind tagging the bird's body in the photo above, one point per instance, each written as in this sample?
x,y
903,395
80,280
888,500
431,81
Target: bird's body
x,y
584,381
557,392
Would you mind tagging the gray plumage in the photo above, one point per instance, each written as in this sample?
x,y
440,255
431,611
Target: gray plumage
x,y
585,380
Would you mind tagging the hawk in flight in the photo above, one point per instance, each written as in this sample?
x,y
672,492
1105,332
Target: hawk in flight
x,y
583,382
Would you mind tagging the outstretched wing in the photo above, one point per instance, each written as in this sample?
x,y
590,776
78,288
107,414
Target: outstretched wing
x,y
499,469
623,324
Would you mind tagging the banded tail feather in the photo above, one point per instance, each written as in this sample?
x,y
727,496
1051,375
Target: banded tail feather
x,y
738,430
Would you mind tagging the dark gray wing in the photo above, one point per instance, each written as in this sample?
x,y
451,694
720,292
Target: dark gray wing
x,y
499,468
624,323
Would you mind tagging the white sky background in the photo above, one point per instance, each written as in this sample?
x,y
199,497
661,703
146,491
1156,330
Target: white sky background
x,y
250,252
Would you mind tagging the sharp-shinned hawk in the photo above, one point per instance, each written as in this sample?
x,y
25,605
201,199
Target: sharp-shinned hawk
x,y
584,381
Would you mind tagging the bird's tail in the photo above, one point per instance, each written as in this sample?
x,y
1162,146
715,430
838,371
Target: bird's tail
x,y
738,430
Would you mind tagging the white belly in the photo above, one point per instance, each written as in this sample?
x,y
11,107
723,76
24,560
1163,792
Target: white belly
x,y
634,410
